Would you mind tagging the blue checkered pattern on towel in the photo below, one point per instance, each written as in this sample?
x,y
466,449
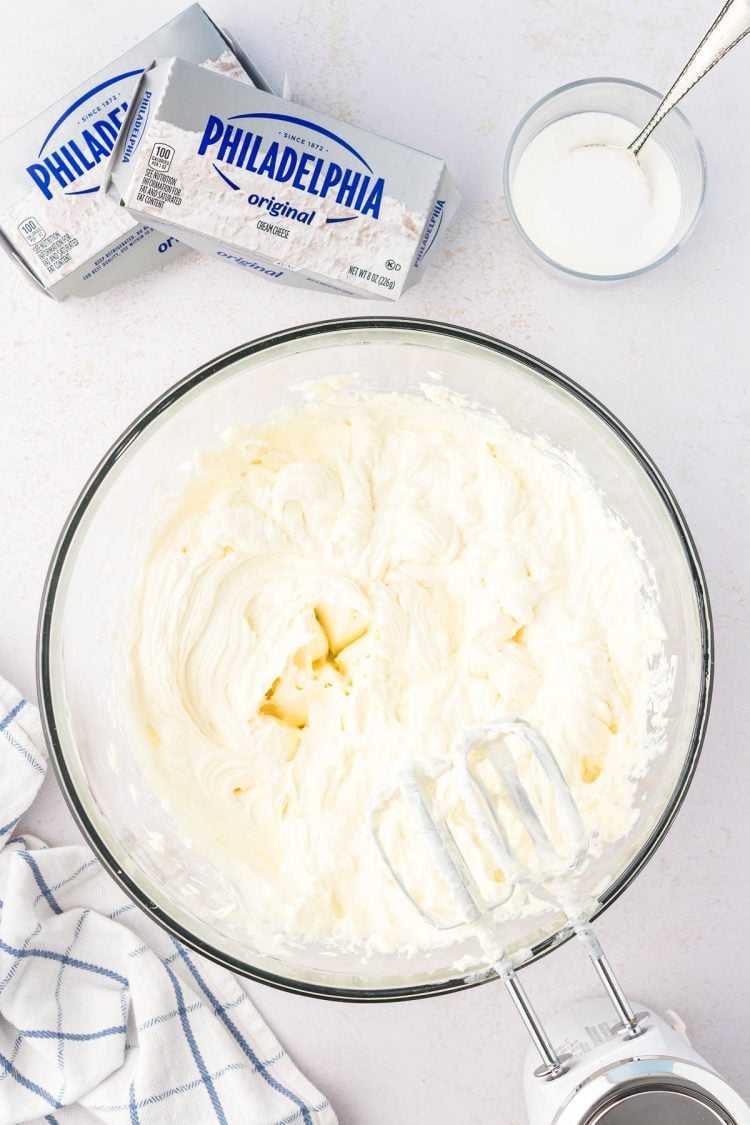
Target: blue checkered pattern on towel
x,y
103,1016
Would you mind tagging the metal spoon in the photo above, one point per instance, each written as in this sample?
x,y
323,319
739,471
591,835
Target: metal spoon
x,y
731,25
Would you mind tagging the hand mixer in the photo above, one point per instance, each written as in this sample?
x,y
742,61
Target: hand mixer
x,y
483,806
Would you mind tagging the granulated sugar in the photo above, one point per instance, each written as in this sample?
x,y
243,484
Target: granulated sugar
x,y
588,203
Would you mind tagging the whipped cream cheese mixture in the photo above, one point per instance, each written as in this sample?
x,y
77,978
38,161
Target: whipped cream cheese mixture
x,y
345,586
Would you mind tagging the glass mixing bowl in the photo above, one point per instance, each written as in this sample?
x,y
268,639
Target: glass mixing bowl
x,y
92,571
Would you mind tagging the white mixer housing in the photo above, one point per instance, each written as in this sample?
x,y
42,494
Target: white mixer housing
x,y
657,1076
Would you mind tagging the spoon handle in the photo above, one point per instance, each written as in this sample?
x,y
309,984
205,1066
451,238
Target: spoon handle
x,y
731,25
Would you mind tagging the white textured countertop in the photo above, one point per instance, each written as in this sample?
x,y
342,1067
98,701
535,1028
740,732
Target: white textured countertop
x,y
669,354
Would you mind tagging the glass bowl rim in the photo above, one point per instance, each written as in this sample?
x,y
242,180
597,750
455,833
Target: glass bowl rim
x,y
47,663
508,189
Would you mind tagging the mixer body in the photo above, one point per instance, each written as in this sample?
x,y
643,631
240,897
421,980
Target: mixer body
x,y
657,1077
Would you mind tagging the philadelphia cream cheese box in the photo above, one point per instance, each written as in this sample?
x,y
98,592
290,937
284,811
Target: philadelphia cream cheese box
x,y
284,192
55,219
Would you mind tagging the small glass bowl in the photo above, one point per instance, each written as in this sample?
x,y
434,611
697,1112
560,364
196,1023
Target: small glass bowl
x,y
636,103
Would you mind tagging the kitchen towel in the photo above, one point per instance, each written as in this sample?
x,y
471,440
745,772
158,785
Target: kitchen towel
x,y
103,1015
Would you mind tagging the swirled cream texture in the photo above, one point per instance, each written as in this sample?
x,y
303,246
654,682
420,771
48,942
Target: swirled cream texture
x,y
347,585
